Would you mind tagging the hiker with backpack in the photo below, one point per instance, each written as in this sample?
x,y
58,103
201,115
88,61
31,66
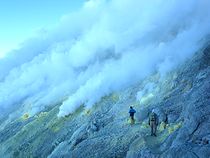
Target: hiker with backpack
x,y
153,122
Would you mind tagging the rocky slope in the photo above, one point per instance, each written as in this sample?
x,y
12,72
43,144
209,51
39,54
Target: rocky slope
x,y
104,131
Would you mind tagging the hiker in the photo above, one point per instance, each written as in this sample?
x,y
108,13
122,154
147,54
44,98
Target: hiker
x,y
165,121
153,122
132,112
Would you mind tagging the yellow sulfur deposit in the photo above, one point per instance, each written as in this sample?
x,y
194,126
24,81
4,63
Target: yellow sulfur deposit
x,y
115,97
25,116
42,114
161,127
87,112
145,125
174,127
55,128
130,121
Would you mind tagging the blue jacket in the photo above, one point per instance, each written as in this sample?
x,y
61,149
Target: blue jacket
x,y
132,111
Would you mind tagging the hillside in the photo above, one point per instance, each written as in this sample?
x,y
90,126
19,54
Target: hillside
x,y
104,130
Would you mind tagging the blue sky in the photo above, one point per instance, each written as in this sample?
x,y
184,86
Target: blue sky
x,y
19,19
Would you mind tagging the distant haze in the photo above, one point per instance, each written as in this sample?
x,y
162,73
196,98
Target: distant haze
x,y
105,46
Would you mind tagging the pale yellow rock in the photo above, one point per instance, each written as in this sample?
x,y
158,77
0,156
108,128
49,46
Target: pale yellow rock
x,y
161,126
115,97
25,116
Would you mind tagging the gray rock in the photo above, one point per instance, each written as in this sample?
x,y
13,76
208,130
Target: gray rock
x,y
104,131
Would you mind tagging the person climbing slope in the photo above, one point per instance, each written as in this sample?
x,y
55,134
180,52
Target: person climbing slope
x,y
153,122
165,121
132,112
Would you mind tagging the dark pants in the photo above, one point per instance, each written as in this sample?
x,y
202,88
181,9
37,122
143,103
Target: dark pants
x,y
132,119
153,127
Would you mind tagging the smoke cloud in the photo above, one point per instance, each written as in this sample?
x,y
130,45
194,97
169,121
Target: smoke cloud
x,y
105,46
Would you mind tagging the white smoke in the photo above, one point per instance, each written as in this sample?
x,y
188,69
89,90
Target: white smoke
x,y
105,46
